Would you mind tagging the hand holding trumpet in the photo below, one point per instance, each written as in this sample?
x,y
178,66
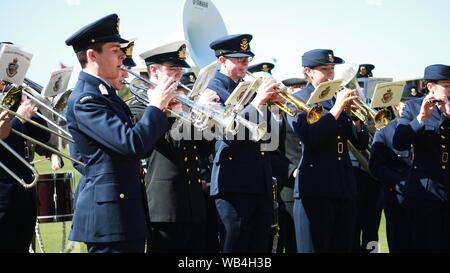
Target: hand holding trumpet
x,y
5,127
428,103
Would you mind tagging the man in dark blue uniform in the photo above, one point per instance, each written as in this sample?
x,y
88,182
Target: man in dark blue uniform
x,y
368,189
424,124
279,168
109,210
18,206
241,179
291,150
325,183
391,168
174,187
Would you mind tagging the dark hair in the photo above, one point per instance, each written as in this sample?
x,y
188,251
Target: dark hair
x,y
82,56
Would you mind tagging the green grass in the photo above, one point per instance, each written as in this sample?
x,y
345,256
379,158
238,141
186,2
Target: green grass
x,y
52,233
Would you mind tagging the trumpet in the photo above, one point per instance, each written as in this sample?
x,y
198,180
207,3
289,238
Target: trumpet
x,y
291,105
199,115
363,111
28,165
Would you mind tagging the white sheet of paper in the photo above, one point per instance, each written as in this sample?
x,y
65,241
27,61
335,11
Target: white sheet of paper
x,y
14,64
240,90
387,94
324,91
371,83
59,80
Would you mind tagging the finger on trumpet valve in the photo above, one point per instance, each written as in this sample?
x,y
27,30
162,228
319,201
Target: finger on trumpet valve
x,y
432,101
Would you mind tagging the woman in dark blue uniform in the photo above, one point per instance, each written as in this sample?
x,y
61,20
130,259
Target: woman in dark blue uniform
x,y
325,184
425,125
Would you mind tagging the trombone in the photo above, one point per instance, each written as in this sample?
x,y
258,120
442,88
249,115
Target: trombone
x,y
291,105
28,165
199,115
10,99
31,90
364,112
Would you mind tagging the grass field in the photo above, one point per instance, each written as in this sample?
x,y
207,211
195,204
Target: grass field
x,y
53,233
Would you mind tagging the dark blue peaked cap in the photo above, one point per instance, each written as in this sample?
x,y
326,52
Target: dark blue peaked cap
x,y
188,79
437,72
103,30
293,81
411,91
318,57
128,50
261,67
233,46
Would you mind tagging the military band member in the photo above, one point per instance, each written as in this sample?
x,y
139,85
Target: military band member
x,y
424,124
391,168
291,150
18,206
174,186
368,190
325,183
109,210
241,179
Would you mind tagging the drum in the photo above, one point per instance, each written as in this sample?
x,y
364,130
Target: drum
x,y
55,197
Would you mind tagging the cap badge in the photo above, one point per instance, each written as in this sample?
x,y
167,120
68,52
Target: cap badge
x,y
265,68
129,50
362,71
191,78
331,58
387,97
11,70
413,92
182,52
244,44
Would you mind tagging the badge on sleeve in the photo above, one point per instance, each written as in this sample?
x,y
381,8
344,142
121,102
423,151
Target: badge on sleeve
x,y
103,90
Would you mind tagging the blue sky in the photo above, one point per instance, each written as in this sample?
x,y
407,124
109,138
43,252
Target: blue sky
x,y
400,37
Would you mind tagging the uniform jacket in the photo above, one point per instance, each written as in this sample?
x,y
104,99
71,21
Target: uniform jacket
x,y
239,166
325,169
389,166
14,196
173,180
109,205
429,177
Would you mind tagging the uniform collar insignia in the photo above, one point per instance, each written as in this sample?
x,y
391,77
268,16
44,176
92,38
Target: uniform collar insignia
x,y
103,90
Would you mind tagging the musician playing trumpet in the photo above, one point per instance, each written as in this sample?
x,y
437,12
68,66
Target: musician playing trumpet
x,y
173,181
325,190
425,125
